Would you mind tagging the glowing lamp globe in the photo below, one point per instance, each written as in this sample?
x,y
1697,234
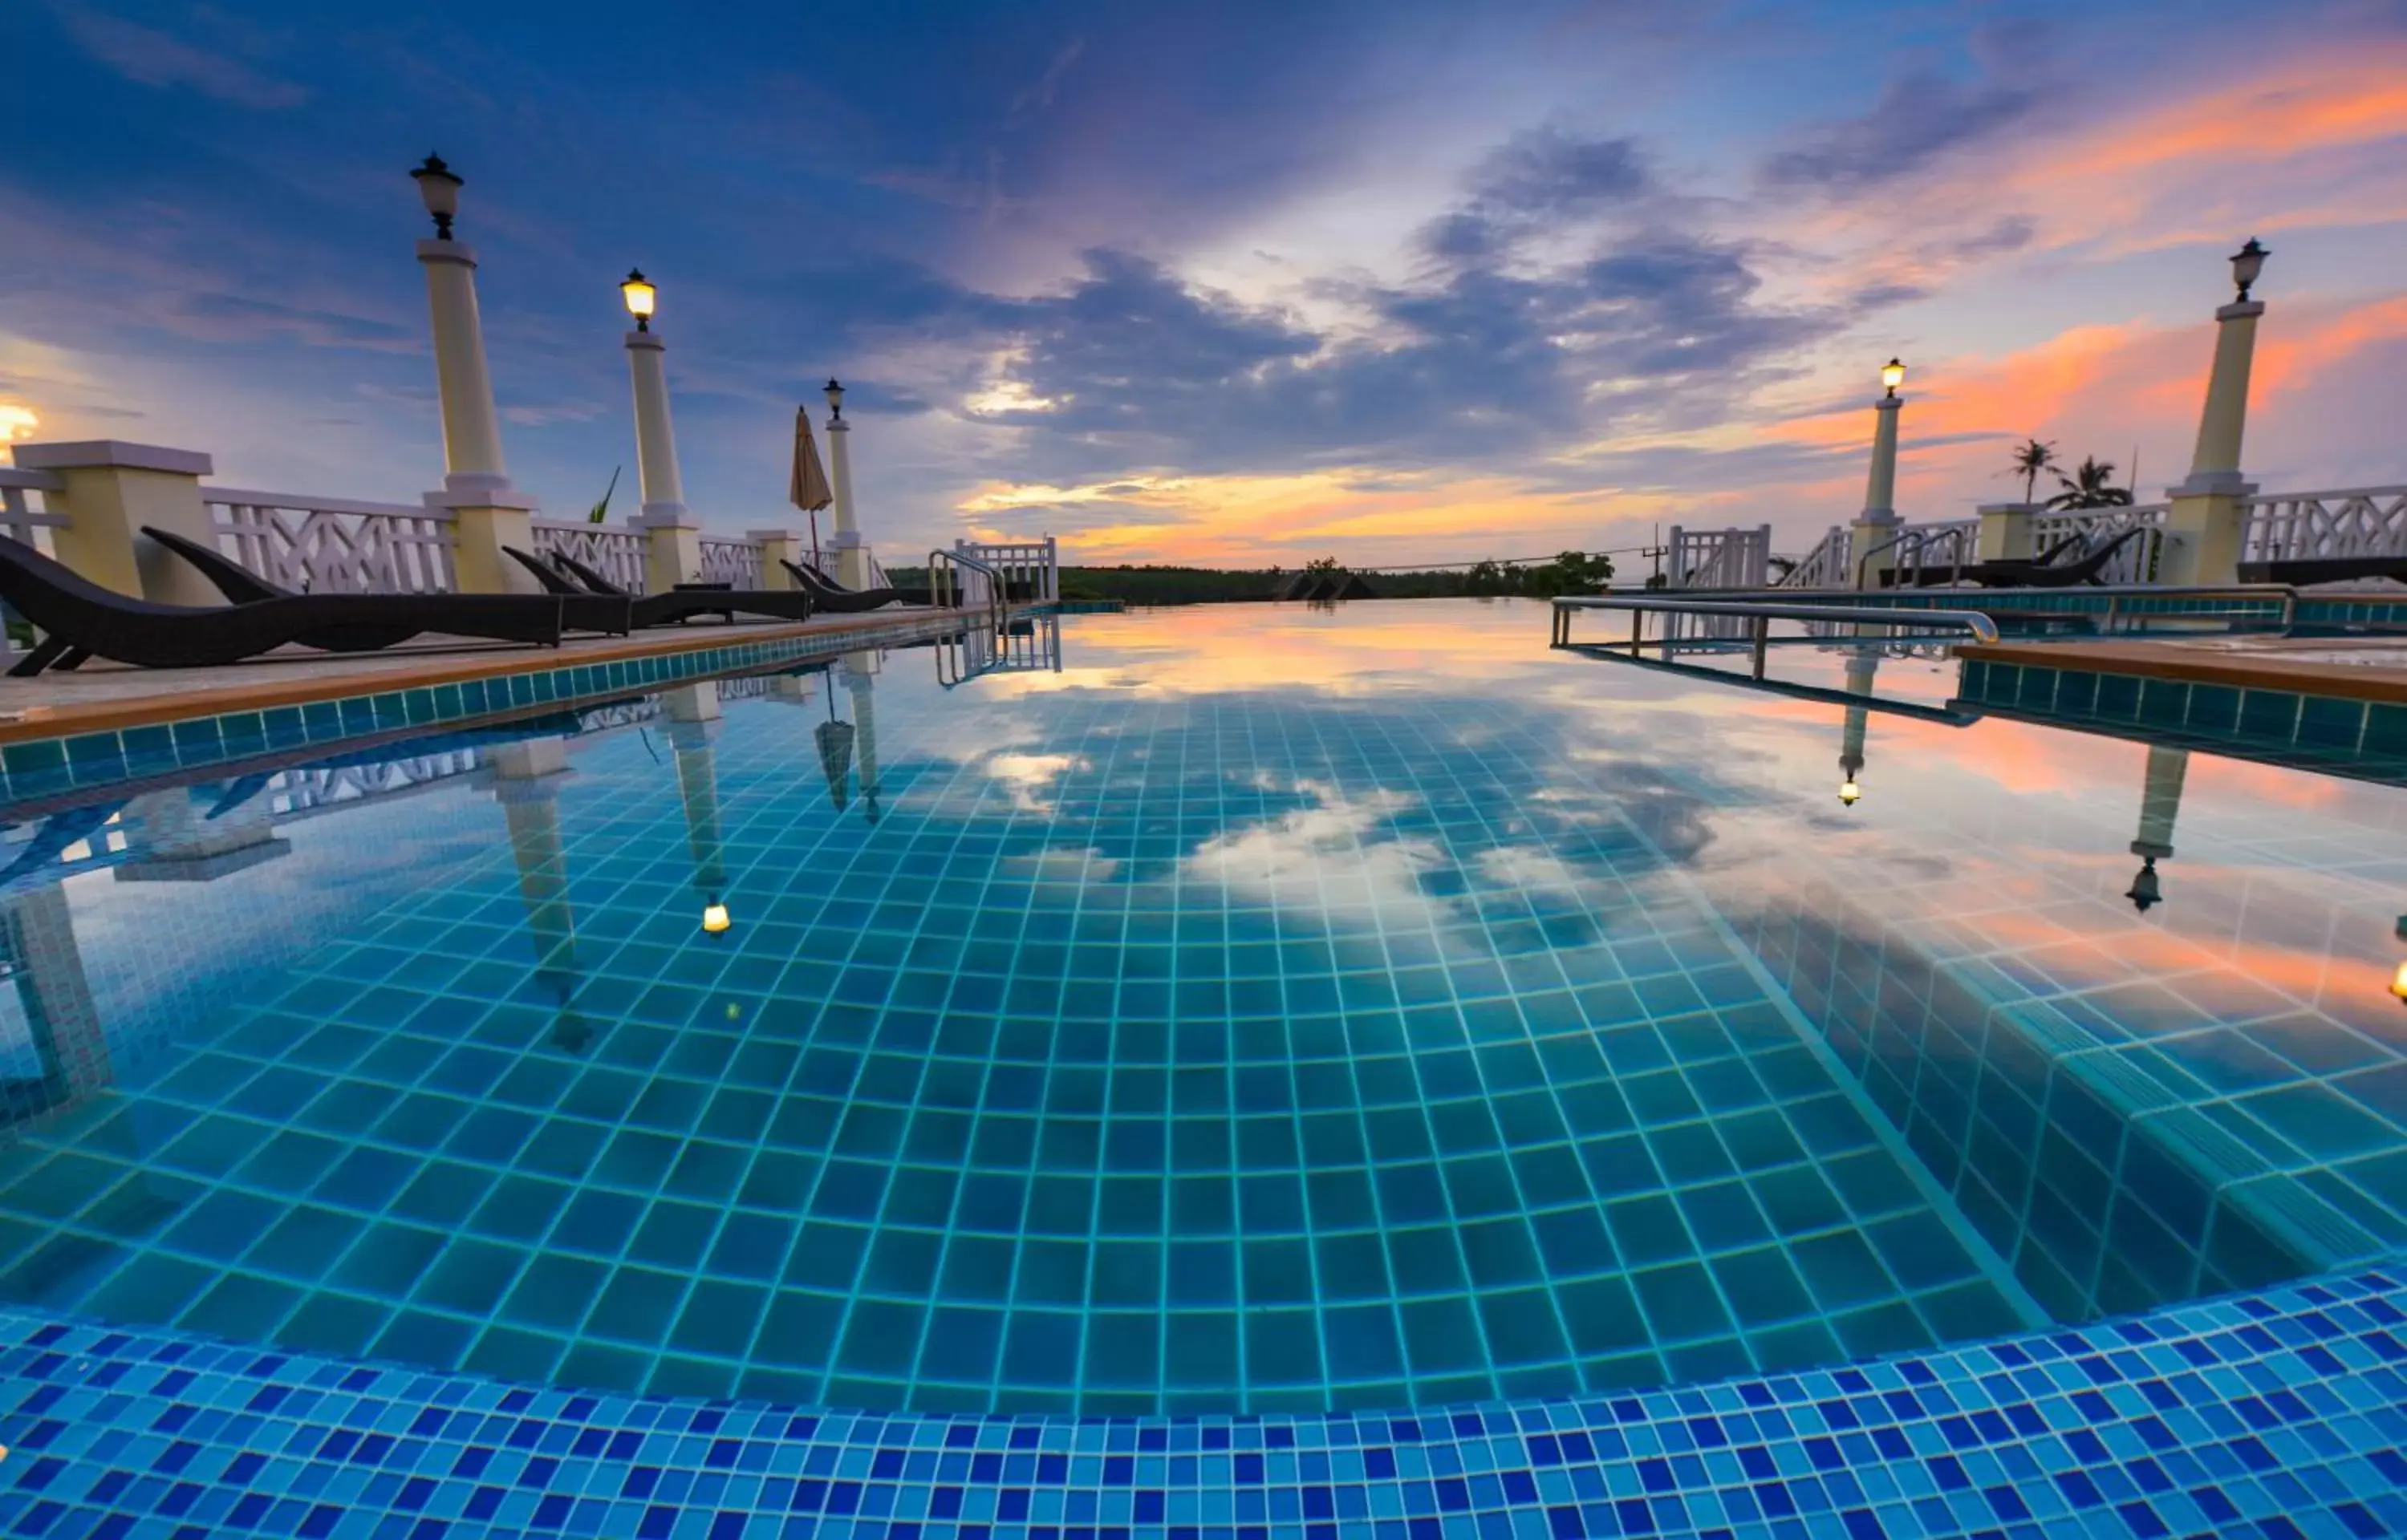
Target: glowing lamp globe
x,y
641,296
1892,375
2398,983
1849,791
713,918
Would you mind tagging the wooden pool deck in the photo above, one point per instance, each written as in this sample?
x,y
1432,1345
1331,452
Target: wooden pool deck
x,y
2349,667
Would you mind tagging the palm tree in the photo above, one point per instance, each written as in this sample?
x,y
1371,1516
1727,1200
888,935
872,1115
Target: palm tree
x,y
2030,461
2088,487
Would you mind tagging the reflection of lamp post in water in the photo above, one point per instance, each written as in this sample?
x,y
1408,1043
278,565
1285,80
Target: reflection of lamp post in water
x,y
2160,805
861,678
1860,666
526,783
40,961
694,716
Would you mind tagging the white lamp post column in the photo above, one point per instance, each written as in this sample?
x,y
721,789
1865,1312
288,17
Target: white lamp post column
x,y
527,777
1877,523
860,672
851,556
672,540
2202,528
488,512
693,723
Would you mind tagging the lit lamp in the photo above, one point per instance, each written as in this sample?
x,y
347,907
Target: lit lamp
x,y
834,394
2246,263
1849,791
439,186
1894,375
641,297
2399,979
713,918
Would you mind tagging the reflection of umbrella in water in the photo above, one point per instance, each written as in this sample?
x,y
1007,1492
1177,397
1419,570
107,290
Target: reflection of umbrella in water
x,y
835,751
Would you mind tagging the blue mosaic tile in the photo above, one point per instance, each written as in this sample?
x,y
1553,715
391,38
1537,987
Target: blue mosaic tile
x,y
2280,1413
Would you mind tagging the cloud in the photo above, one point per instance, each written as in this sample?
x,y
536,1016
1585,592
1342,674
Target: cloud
x,y
152,58
1036,98
1920,117
551,416
230,318
1538,179
1136,367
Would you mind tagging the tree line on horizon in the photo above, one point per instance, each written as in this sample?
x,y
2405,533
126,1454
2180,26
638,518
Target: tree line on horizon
x,y
1572,571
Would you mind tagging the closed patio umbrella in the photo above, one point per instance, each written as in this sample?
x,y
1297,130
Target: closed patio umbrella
x,y
808,489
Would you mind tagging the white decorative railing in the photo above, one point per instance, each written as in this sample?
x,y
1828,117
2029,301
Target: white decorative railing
x,y
2133,561
20,520
1823,567
2369,521
317,544
1718,559
1031,569
734,562
617,553
303,791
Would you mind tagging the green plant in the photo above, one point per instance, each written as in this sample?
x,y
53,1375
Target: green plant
x,y
601,511
2030,461
2089,486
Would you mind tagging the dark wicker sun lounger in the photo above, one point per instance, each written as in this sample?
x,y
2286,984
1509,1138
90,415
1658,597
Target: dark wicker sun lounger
x,y
79,619
552,579
241,585
2015,572
679,605
836,599
2325,569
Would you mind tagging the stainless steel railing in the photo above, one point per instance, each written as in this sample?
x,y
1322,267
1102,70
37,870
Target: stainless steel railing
x,y
948,589
1978,626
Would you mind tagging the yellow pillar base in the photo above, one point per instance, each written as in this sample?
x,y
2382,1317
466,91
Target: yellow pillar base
x,y
777,547
481,529
2202,539
1862,536
2006,532
110,491
671,555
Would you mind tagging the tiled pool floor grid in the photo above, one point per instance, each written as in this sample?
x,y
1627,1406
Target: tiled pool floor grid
x,y
1381,1106
2278,1416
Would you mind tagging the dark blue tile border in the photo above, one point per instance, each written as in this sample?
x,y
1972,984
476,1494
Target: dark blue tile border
x,y
2279,1413
43,767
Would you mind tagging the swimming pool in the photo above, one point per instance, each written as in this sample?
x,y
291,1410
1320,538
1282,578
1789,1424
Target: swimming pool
x,y
1238,1011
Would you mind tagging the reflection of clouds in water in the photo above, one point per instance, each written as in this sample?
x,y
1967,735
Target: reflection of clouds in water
x,y
1026,775
1530,868
1066,864
1325,855
1344,860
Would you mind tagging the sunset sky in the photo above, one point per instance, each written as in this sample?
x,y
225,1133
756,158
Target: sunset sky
x,y
1238,283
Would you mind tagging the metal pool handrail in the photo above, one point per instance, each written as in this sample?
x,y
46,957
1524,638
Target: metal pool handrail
x,y
2113,593
1980,625
998,601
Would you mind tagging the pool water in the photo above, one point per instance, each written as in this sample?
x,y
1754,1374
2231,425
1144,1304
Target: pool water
x,y
1236,1009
